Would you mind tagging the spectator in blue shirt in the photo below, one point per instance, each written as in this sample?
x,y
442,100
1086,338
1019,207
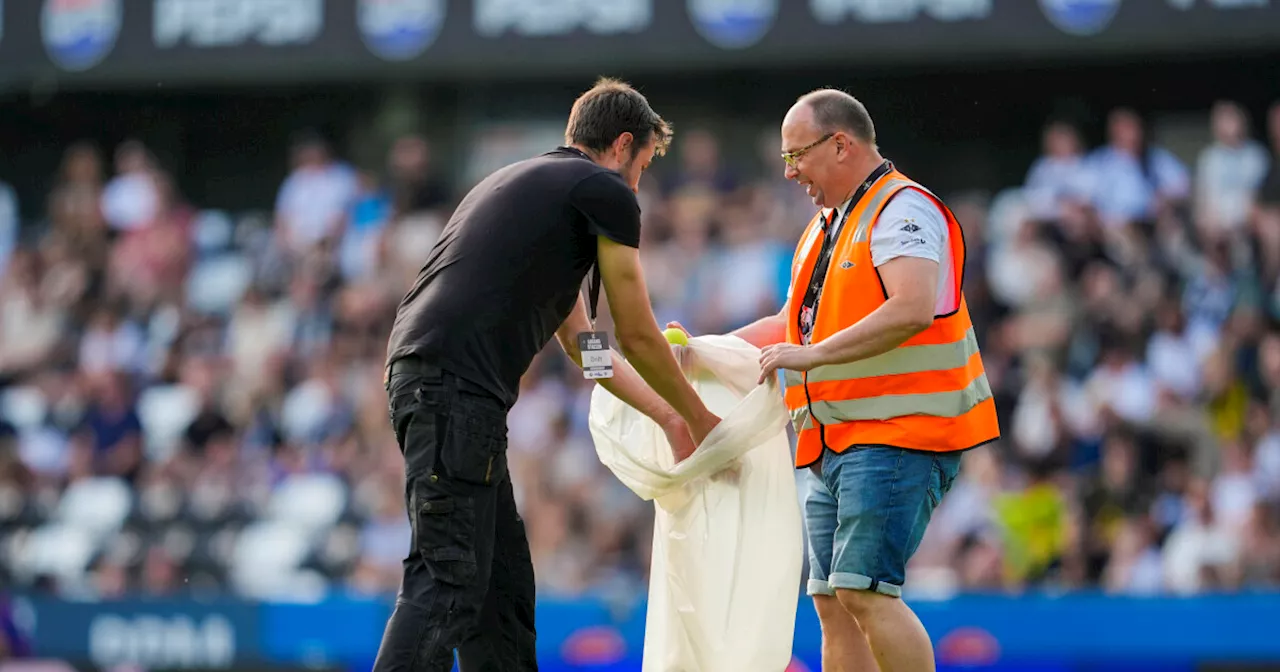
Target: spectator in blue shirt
x,y
1135,180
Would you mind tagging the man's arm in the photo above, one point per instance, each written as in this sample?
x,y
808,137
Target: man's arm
x,y
765,331
912,284
640,339
627,385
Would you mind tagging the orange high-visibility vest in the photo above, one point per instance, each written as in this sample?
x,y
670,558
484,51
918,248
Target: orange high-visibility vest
x,y
930,393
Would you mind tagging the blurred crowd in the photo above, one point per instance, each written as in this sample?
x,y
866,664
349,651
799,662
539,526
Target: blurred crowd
x,y
220,369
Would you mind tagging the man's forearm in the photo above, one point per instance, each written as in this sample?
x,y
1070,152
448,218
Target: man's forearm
x,y
626,384
653,361
886,328
764,331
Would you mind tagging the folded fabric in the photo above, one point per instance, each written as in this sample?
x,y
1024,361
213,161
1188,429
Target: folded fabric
x,y
727,546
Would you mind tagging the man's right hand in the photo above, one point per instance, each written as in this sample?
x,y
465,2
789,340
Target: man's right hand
x,y
677,433
700,429
677,325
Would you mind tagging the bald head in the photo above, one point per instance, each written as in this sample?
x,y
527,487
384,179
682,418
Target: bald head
x,y
831,110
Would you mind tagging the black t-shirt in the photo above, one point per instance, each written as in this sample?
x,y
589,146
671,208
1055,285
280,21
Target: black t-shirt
x,y
509,267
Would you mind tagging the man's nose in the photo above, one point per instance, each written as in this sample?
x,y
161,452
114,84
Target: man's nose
x,y
790,172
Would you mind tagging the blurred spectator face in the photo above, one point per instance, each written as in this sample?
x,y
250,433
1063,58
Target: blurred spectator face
x,y
1228,123
1117,462
132,157
82,164
410,155
700,154
1124,131
1273,124
1169,317
310,153
1061,141
1269,359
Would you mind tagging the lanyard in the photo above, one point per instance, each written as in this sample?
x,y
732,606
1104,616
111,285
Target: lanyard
x,y
830,234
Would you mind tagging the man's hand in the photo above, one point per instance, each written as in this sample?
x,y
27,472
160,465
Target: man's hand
x,y
786,356
677,325
677,432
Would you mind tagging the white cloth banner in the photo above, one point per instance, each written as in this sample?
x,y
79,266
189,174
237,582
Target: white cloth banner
x,y
727,544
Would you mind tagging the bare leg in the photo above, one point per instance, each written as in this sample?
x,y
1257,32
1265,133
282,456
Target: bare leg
x,y
844,646
897,637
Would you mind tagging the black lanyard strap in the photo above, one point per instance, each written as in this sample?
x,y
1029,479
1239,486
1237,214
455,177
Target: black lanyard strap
x,y
829,236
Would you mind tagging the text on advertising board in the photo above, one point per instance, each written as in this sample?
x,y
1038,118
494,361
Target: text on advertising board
x,y
545,18
176,641
226,23
898,11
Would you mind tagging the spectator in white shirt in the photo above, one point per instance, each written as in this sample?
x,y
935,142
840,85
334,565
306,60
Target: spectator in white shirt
x,y
313,201
1228,172
1134,180
130,200
1059,182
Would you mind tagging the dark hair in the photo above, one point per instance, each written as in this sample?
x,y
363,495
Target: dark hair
x,y
609,109
835,110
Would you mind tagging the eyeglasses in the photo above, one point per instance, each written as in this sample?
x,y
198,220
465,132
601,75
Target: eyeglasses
x,y
793,156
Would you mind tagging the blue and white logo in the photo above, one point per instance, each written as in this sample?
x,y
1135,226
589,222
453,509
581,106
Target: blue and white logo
x,y
78,34
733,24
399,30
1080,17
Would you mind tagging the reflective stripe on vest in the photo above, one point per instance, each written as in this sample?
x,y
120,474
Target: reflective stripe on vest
x,y
909,359
938,404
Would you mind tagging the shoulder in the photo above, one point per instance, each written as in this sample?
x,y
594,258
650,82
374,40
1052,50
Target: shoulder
x,y
912,203
603,185
911,224
597,178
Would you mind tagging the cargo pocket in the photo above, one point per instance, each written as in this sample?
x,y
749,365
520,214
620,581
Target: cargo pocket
x,y
475,444
446,537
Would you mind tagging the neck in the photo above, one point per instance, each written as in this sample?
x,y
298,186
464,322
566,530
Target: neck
x,y
591,154
861,172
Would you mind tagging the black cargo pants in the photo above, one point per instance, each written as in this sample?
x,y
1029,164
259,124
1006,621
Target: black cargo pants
x,y
468,581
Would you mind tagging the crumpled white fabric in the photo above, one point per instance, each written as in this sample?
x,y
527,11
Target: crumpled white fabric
x,y
727,545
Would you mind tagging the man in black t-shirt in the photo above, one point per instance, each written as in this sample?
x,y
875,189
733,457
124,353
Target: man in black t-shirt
x,y
502,280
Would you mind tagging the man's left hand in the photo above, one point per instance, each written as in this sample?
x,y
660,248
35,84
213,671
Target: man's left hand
x,y
786,356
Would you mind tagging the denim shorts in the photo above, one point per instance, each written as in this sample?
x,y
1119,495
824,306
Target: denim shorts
x,y
867,512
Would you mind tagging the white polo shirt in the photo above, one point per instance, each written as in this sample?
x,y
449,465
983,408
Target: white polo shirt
x,y
912,225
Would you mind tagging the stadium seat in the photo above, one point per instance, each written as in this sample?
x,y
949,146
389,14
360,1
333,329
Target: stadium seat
x,y
305,411
56,549
215,285
266,555
213,232
311,503
165,412
98,506
1007,212
24,407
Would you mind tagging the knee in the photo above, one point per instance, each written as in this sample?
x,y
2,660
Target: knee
x,y
863,603
833,617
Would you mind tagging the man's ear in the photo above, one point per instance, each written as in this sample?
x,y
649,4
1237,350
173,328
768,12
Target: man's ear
x,y
622,146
